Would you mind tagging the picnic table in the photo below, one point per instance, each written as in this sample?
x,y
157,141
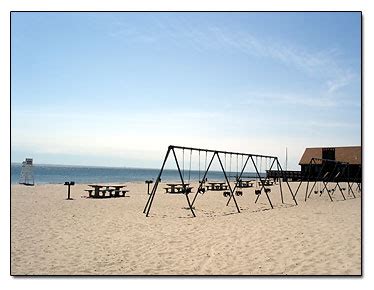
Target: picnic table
x,y
244,183
105,191
178,188
216,186
266,182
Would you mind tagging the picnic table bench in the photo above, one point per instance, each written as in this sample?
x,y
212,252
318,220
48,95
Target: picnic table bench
x,y
178,188
266,182
106,191
244,183
216,186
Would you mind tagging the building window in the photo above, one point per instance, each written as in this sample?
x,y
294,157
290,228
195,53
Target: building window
x,y
328,153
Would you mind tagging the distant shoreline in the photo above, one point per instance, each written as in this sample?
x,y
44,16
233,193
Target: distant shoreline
x,y
46,174
84,166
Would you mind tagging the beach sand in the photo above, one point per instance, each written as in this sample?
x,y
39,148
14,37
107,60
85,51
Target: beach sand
x,y
54,236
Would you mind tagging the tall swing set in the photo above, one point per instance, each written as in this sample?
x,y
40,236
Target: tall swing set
x,y
230,186
327,176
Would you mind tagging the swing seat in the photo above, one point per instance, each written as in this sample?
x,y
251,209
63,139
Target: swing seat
x,y
226,193
202,190
267,190
239,193
186,190
257,191
316,191
343,188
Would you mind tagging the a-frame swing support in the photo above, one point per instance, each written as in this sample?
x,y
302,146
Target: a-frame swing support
x,y
338,171
216,153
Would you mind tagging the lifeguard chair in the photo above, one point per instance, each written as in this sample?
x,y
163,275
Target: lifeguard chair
x,y
27,175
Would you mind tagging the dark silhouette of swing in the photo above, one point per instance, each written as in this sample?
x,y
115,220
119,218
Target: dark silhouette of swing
x,y
330,172
202,182
236,192
263,181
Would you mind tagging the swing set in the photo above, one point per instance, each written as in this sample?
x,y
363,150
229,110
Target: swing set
x,y
230,190
357,179
324,173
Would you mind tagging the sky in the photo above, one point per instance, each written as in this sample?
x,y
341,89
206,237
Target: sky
x,y
115,89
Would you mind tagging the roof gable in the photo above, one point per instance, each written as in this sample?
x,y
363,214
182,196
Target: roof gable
x,y
350,154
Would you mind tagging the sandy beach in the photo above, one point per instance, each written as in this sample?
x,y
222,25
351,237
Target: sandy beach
x,y
54,236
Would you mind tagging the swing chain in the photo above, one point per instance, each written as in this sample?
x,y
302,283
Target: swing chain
x,y
189,170
183,162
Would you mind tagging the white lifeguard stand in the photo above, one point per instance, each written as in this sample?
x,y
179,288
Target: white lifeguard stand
x,y
27,175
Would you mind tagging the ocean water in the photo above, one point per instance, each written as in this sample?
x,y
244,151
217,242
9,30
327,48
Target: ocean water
x,y
55,174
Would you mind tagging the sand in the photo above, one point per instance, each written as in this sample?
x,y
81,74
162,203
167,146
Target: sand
x,y
54,236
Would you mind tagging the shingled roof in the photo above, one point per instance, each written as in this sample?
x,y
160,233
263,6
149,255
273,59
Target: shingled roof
x,y
350,154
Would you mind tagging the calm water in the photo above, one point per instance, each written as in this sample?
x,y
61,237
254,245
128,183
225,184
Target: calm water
x,y
60,174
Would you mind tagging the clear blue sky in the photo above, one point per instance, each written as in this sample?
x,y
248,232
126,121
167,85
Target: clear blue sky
x,y
116,89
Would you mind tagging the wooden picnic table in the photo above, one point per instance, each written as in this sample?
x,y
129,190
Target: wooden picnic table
x,y
244,183
216,186
113,190
177,187
177,184
266,182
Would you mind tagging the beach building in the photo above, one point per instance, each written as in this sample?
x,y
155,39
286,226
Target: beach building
x,y
348,154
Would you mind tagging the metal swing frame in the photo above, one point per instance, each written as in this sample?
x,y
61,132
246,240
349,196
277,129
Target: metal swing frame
x,y
330,177
272,160
341,174
216,153
358,179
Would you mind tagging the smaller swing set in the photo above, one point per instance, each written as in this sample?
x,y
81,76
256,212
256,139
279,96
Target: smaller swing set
x,y
357,179
324,173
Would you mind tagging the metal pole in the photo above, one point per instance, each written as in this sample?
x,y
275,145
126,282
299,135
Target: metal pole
x,y
262,185
258,196
341,191
302,180
241,173
220,151
346,169
183,184
288,185
325,187
280,186
270,167
337,181
328,180
228,183
69,183
349,185
297,190
349,188
201,184
318,177
153,193
359,178
309,173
